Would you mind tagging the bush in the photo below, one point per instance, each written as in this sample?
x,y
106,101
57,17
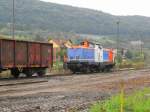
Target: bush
x,y
129,54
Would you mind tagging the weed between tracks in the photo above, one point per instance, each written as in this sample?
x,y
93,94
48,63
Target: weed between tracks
x,y
136,102
5,74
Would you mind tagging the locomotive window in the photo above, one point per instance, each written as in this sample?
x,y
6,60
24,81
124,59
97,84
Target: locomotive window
x,y
100,47
77,57
91,46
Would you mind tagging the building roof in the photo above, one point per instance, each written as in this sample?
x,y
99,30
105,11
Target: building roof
x,y
57,43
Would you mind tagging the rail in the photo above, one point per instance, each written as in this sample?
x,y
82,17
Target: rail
x,y
21,81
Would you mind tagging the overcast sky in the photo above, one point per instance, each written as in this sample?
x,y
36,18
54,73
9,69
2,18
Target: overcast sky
x,y
115,7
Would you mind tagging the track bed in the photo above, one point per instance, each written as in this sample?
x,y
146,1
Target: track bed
x,y
60,93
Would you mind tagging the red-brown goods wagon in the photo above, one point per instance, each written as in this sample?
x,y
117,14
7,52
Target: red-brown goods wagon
x,y
25,57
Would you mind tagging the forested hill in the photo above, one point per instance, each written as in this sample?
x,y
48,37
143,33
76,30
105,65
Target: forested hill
x,y
35,15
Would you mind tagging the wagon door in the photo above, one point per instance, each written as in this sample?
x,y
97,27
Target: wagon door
x,y
21,55
46,55
34,54
7,53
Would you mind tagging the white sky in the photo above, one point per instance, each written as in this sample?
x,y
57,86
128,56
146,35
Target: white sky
x,y
115,7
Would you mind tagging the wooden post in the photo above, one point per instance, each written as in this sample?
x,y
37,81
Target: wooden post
x,y
122,97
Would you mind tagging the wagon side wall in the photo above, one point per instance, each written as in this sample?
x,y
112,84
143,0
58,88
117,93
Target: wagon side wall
x,y
46,55
21,54
25,54
7,53
34,55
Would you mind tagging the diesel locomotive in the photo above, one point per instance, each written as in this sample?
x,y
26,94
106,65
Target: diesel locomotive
x,y
90,57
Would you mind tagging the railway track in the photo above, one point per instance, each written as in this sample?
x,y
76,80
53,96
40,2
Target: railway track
x,y
73,92
25,81
21,81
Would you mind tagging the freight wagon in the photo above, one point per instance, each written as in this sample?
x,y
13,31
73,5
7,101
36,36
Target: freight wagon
x,y
90,58
25,57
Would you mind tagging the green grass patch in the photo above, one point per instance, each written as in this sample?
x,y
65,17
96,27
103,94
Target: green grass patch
x,y
132,64
58,65
137,102
5,74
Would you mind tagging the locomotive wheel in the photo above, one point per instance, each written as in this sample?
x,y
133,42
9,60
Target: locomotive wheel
x,y
92,69
108,69
15,72
103,69
86,70
74,71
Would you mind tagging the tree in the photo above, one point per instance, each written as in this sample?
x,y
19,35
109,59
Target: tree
x,y
129,54
49,38
118,59
61,53
38,38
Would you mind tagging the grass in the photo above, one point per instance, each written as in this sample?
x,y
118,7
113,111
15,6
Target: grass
x,y
5,74
136,102
58,65
132,64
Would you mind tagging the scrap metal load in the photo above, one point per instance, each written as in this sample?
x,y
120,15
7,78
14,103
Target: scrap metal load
x,y
89,57
25,57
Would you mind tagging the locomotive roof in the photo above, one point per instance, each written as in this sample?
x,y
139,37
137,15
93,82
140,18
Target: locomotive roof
x,y
91,42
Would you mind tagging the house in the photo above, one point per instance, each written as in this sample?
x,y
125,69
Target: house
x,y
68,44
58,45
137,44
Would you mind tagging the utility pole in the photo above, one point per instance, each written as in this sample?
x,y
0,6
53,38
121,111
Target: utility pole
x,y
118,22
141,50
13,22
141,46
141,42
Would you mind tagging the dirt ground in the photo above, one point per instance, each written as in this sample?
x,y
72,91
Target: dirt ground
x,y
65,93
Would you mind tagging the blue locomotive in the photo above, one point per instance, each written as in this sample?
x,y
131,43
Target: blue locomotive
x,y
89,57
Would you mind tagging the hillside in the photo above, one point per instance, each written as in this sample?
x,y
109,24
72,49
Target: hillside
x,y
37,16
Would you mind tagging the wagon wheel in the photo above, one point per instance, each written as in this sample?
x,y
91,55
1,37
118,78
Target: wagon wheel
x,y
28,72
15,73
41,72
